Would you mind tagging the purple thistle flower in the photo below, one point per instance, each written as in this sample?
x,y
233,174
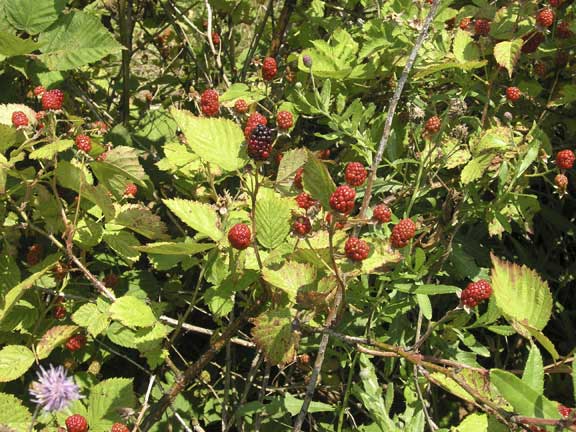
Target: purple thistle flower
x,y
54,390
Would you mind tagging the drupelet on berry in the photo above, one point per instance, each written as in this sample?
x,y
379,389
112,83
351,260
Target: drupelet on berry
x,y
402,233
355,174
475,293
76,423
342,199
382,213
356,249
565,159
302,225
240,236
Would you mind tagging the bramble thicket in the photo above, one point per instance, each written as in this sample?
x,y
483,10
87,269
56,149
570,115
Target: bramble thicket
x,y
290,215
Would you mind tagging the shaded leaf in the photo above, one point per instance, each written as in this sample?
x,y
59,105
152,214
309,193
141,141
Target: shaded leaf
x,y
54,337
273,333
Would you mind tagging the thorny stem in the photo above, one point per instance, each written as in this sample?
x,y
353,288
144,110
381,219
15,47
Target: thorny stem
x,y
331,319
392,107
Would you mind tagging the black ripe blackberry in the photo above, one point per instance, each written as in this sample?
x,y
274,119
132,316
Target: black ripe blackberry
x,y
260,143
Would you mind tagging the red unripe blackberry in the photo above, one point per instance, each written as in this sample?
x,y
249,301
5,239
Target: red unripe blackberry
x,y
111,280
131,190
563,30
215,38
240,236
561,182
269,68
540,69
241,106
102,157
84,143
513,94
76,423
284,120
302,225
298,178
119,427
40,115
254,120
481,27
465,23
52,99
402,233
342,199
555,3
209,103
564,410
531,42
59,312
19,119
545,17
260,143
433,124
34,254
356,249
565,159
305,201
38,90
382,213
337,225
355,174
475,293
76,342
324,154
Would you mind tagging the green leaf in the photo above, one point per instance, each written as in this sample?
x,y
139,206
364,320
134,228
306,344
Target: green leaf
x,y
54,337
370,394
17,292
73,177
524,399
107,401
429,70
13,415
474,422
436,289
291,277
217,141
141,220
9,273
121,164
198,216
50,150
317,181
293,405
77,39
273,333
534,370
15,360
520,293
465,48
291,161
476,168
33,16
540,337
9,137
507,54
93,318
171,248
88,233
132,312
240,91
273,216
12,46
124,244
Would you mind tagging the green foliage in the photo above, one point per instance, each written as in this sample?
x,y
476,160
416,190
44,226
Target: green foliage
x,y
127,243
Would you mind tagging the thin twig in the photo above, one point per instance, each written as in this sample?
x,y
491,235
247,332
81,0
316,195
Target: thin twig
x,y
202,330
144,404
393,104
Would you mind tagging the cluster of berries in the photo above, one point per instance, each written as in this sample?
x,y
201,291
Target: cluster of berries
x,y
564,161
78,423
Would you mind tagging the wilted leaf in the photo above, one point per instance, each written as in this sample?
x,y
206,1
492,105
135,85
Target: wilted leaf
x,y
273,333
